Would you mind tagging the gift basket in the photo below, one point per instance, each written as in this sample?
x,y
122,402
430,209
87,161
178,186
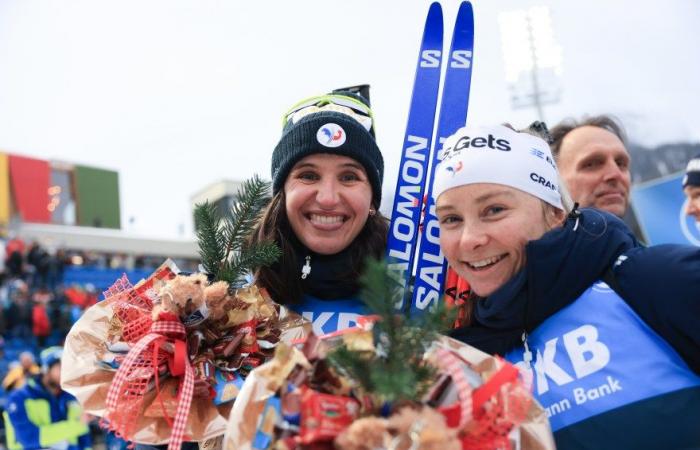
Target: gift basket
x,y
393,382
161,361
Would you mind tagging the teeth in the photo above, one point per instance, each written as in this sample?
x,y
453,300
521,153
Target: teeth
x,y
326,219
484,262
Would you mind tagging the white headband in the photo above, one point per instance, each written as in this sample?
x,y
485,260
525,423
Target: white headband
x,y
498,155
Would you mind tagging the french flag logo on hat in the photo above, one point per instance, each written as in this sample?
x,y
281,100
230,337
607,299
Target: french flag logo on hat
x,y
331,135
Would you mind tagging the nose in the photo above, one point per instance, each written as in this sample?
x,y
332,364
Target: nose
x,y
327,195
613,171
691,208
473,237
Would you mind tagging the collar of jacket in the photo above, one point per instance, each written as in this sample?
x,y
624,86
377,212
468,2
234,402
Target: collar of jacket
x,y
559,267
332,276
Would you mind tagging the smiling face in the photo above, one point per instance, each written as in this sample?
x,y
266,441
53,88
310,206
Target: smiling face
x,y
594,164
328,198
484,229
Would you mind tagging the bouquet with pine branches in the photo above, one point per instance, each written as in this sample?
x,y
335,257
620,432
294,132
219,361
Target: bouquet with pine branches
x,y
394,382
161,361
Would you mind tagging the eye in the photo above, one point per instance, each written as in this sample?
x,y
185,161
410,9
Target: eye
x,y
494,210
623,163
450,219
350,176
590,164
308,175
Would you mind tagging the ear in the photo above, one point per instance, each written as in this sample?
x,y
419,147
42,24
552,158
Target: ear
x,y
553,217
556,216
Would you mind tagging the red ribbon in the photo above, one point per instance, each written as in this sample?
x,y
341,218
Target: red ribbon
x,y
179,365
507,374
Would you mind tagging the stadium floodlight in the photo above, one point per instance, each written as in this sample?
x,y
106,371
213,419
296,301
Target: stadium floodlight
x,y
532,58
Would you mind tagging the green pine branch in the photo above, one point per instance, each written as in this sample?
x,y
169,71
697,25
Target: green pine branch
x,y
239,222
397,371
209,235
221,239
263,254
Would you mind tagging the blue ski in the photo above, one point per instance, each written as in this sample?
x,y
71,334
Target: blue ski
x,y
408,199
430,262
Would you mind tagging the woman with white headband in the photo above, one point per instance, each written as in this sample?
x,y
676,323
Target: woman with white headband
x,y
607,331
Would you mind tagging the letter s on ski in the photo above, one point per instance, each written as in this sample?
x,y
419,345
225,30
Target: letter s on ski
x,y
461,59
430,58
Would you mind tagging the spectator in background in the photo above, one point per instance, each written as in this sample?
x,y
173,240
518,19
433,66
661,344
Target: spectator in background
x,y
4,363
593,162
2,256
20,310
18,374
41,325
56,268
14,257
38,259
42,415
4,302
691,188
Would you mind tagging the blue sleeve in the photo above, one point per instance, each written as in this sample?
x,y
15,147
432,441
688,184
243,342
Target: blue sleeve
x,y
85,441
26,433
662,284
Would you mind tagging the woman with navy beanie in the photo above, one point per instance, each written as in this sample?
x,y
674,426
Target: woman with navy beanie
x,y
327,173
606,331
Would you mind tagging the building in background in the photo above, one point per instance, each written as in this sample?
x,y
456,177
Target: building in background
x,y
74,207
222,193
55,192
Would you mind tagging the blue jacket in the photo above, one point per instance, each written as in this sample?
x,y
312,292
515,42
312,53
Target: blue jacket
x,y
41,420
327,316
644,333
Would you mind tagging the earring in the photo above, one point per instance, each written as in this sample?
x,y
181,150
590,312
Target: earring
x,y
372,212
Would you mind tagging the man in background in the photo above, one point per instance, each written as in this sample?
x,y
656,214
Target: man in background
x,y
593,162
691,188
41,415
18,375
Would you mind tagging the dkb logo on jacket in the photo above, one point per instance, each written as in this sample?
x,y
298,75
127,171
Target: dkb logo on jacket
x,y
597,355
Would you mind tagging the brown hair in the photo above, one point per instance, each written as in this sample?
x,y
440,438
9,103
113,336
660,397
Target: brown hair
x,y
282,280
606,122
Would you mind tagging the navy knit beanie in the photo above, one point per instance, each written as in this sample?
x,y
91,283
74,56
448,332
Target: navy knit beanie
x,y
692,172
329,132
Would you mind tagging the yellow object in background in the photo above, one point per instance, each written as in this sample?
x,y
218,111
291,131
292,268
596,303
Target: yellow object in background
x,y
4,190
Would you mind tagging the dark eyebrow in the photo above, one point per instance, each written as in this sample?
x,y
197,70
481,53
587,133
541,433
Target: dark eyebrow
x,y
354,165
304,165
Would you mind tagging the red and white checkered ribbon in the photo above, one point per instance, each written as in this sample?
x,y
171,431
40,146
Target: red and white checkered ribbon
x,y
164,330
455,369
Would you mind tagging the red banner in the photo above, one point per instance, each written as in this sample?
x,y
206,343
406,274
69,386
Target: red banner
x,y
30,188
